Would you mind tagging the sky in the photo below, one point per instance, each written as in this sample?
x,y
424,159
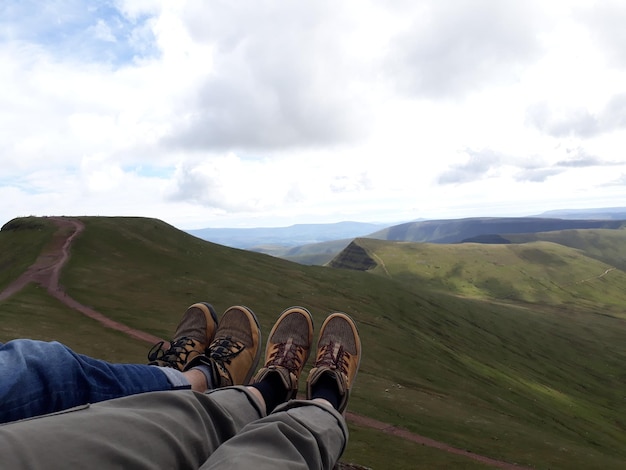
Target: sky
x,y
208,113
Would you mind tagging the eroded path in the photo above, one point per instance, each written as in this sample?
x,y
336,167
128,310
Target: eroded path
x,y
397,431
45,272
47,267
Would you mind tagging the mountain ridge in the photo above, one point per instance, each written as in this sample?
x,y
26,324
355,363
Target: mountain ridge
x,y
538,271
458,230
480,230
318,244
284,237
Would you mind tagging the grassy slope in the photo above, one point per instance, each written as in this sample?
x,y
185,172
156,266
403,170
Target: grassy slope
x,y
602,244
538,272
534,386
32,313
21,242
540,350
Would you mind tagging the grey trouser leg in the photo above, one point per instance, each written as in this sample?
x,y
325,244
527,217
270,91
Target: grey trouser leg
x,y
299,434
157,430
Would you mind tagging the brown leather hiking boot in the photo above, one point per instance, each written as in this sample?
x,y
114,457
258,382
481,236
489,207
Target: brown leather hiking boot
x,y
338,355
193,334
288,348
234,353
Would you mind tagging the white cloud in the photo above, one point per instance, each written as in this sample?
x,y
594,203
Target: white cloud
x,y
281,77
260,113
478,166
605,21
102,31
579,121
452,49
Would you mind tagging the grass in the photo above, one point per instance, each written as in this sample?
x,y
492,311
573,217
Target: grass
x,y
539,272
540,384
21,242
605,245
377,450
32,313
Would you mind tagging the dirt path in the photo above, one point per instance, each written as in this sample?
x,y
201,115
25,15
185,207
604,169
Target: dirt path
x,y
381,263
387,428
46,269
597,277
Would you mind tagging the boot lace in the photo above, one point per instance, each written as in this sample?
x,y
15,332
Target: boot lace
x,y
287,355
336,358
176,355
224,350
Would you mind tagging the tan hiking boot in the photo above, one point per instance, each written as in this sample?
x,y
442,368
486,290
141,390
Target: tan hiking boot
x,y
338,355
193,334
288,348
234,353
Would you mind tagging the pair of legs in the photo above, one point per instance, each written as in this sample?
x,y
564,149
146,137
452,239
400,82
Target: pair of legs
x,y
237,426
225,428
39,377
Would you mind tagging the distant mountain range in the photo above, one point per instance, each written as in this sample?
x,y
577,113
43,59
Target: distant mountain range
x,y
610,213
319,243
461,230
257,239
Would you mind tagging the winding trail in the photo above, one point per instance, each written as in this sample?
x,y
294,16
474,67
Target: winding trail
x,y
597,277
405,434
381,263
46,269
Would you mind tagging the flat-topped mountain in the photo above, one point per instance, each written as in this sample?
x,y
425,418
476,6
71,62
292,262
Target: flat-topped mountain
x,y
458,230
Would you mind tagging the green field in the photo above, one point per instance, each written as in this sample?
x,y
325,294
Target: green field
x,y
501,351
538,272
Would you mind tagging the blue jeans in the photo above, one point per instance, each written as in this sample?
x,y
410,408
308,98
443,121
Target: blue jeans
x,y
37,377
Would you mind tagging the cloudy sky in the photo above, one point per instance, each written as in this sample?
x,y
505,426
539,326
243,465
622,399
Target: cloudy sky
x,y
268,113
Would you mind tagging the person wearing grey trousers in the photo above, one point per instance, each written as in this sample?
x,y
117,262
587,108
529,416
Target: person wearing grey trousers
x,y
261,425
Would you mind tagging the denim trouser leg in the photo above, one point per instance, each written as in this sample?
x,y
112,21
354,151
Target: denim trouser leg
x,y
38,377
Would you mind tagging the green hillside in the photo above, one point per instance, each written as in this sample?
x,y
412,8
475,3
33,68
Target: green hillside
x,y
481,230
538,272
605,245
539,385
21,241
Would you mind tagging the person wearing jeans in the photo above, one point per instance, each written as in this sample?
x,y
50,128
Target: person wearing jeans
x,y
38,377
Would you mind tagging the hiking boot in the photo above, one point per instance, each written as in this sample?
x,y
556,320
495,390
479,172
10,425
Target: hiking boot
x,y
288,348
338,356
194,333
234,353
